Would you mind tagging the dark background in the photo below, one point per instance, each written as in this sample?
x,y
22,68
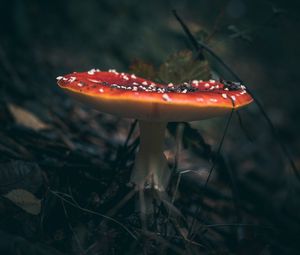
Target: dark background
x,y
40,40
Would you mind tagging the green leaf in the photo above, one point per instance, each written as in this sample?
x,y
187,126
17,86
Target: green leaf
x,y
182,67
144,70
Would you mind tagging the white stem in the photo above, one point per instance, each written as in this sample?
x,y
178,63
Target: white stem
x,y
150,168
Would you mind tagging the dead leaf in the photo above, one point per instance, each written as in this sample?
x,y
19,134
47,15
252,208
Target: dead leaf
x,y
20,174
25,118
25,200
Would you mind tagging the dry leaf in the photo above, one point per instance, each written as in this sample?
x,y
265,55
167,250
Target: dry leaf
x,y
25,118
20,175
25,200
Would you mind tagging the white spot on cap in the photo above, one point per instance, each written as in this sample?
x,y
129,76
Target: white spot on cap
x,y
71,79
95,81
213,100
206,85
233,98
170,85
92,71
199,99
224,95
133,76
101,90
212,81
166,97
59,78
79,84
144,83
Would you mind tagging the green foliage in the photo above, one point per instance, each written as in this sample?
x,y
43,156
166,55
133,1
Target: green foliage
x,y
182,66
143,69
179,67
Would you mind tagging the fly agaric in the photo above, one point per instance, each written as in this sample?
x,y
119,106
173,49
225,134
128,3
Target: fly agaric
x,y
153,105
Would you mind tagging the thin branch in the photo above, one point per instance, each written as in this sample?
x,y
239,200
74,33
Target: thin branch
x,y
71,228
217,22
212,168
131,130
199,46
246,132
192,39
76,205
237,225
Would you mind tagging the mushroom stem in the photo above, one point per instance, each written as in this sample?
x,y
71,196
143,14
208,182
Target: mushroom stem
x,y
151,168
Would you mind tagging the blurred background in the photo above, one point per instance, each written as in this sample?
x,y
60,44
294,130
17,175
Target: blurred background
x,y
49,140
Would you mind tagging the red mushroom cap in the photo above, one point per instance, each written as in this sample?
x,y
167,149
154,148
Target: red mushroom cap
x,y
126,95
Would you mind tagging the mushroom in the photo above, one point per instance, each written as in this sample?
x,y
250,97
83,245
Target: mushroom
x,y
153,105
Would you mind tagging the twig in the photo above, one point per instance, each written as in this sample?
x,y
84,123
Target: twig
x,y
76,205
212,168
178,138
124,151
71,227
237,225
163,241
190,36
248,136
234,190
216,24
119,205
199,46
132,128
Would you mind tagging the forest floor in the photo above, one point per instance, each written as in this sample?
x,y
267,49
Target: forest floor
x,y
64,171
